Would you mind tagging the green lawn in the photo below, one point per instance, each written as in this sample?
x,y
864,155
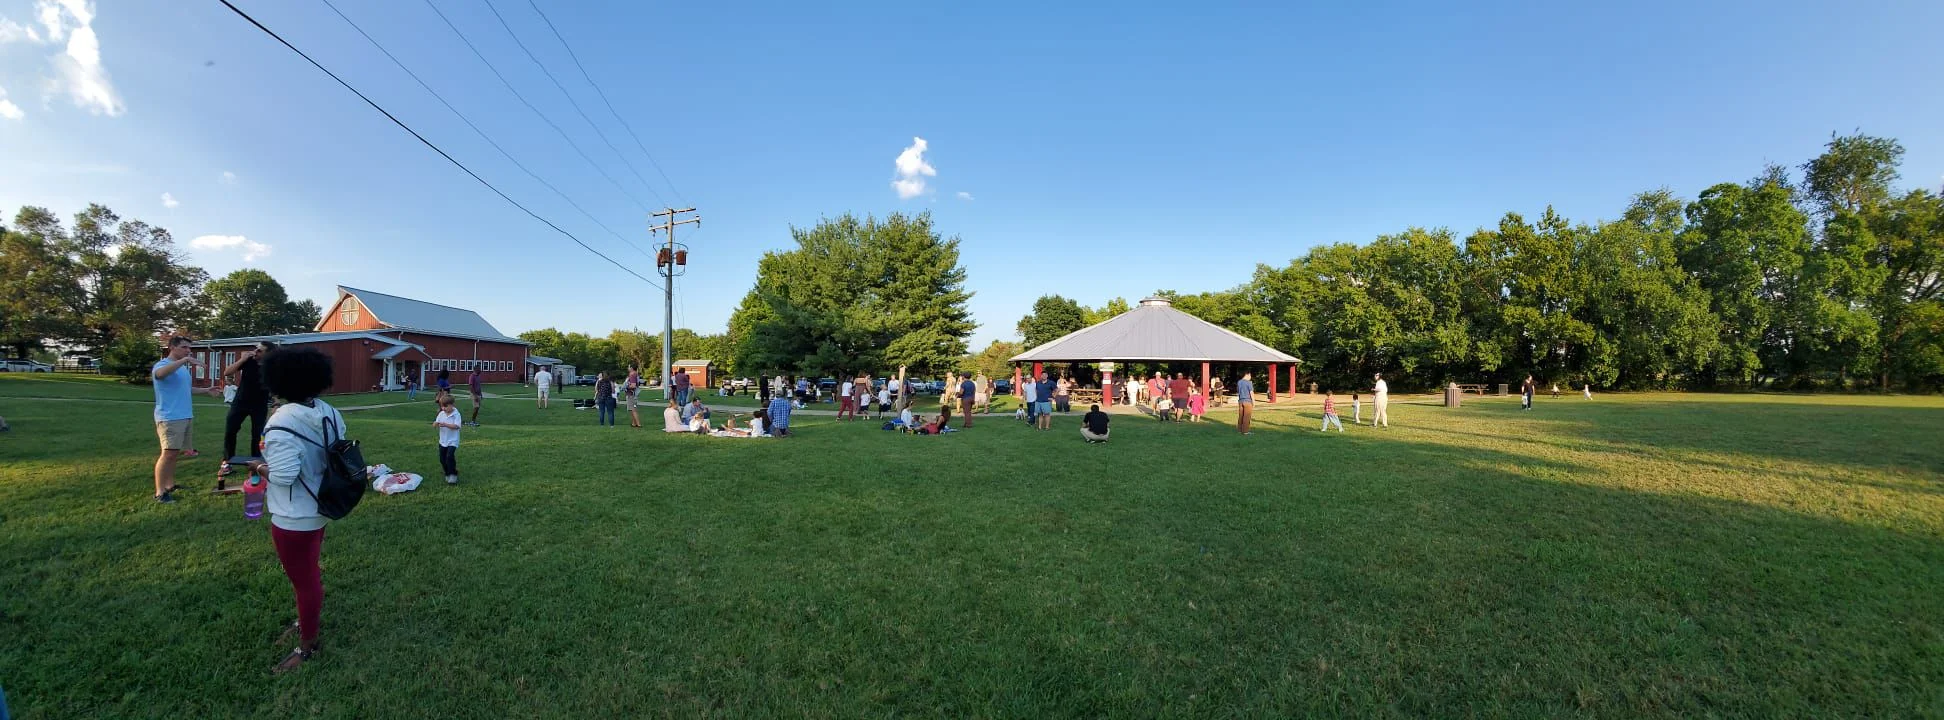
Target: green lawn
x,y
1649,555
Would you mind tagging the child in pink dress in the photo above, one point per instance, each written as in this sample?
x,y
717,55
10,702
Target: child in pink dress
x,y
1197,402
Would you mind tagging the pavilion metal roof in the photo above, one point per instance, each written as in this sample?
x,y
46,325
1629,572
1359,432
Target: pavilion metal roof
x,y
1155,331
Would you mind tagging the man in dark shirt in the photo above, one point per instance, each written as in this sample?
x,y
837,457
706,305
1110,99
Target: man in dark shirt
x,y
968,391
1044,394
1093,426
252,401
1526,391
1178,394
682,386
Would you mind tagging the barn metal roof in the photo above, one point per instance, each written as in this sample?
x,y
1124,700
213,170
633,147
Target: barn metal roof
x,y
408,314
1155,331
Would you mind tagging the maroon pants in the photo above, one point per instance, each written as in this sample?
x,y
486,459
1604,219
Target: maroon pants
x,y
298,551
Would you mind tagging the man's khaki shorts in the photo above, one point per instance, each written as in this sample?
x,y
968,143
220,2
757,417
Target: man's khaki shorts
x,y
174,433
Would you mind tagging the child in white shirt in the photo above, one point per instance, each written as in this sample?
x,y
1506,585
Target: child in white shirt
x,y
448,424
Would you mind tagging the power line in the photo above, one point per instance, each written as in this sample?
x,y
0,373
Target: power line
x,y
428,143
573,102
610,105
482,134
543,116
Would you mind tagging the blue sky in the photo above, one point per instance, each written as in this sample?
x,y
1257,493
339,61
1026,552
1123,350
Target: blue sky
x,y
1103,149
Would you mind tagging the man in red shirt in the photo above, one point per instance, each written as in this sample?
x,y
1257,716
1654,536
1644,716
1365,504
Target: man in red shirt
x,y
1178,392
1157,389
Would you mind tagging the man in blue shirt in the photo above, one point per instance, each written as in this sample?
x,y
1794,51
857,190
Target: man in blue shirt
x,y
968,392
1244,402
779,416
174,414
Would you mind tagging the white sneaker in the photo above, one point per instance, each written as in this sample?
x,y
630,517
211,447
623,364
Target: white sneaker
x,y
452,479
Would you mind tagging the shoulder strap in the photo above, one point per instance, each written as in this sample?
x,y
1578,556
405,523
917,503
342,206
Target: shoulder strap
x,y
298,435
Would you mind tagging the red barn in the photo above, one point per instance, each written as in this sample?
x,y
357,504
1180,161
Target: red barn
x,y
376,341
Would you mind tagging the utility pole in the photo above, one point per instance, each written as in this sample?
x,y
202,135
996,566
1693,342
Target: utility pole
x,y
671,262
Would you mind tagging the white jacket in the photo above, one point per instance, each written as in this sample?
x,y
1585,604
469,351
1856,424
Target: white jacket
x,y
296,466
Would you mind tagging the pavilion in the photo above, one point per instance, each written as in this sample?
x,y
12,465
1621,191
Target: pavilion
x,y
1156,332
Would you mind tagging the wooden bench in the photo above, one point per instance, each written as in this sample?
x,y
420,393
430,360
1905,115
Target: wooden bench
x,y
1475,388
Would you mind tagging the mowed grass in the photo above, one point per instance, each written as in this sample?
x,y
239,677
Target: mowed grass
x,y
1650,555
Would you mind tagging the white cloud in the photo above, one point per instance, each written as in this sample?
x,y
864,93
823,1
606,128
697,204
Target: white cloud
x,y
77,69
11,31
252,250
966,196
912,170
169,201
9,110
227,178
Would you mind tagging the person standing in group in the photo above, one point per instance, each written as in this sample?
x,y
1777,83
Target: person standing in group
x,y
632,382
1588,389
633,393
1525,392
411,387
448,424
1178,393
1244,402
683,386
294,463
1330,413
1030,399
861,385
1197,403
604,400
543,383
1157,390
1356,408
175,415
1045,393
444,381
1062,396
847,399
478,394
252,402
779,416
1382,418
968,394
1133,390
1093,425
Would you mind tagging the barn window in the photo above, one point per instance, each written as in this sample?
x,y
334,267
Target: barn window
x,y
348,314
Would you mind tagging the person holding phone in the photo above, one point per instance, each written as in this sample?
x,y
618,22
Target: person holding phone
x,y
252,402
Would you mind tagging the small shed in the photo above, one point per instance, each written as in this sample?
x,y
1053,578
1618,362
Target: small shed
x,y
702,373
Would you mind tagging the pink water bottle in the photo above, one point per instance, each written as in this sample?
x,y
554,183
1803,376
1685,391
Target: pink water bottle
x,y
253,496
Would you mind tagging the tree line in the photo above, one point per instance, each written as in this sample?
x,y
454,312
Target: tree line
x,y
621,348
106,288
1824,277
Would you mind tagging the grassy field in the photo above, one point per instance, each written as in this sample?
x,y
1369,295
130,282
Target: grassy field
x,y
1644,555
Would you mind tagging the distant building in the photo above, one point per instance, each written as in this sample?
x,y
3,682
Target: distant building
x,y
376,341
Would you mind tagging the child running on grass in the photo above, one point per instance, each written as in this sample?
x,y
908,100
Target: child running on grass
x,y
1197,404
1356,408
1330,413
448,424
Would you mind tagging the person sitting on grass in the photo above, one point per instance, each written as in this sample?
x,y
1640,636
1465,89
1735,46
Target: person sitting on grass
x,y
672,418
779,416
755,428
294,463
939,426
695,407
1093,425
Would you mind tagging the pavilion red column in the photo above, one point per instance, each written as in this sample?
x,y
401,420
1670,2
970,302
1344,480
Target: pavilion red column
x,y
1019,393
1106,388
1037,370
1204,387
1272,381
1294,388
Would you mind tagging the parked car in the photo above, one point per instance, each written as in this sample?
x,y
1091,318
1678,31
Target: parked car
x,y
1002,387
24,365
742,383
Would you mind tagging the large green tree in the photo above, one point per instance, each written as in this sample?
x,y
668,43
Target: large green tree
x,y
1052,318
856,295
108,279
250,302
36,277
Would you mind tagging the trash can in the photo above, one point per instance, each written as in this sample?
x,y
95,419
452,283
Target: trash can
x,y
1453,397
1504,390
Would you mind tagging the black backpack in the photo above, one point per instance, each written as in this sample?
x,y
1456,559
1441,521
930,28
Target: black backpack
x,y
343,485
